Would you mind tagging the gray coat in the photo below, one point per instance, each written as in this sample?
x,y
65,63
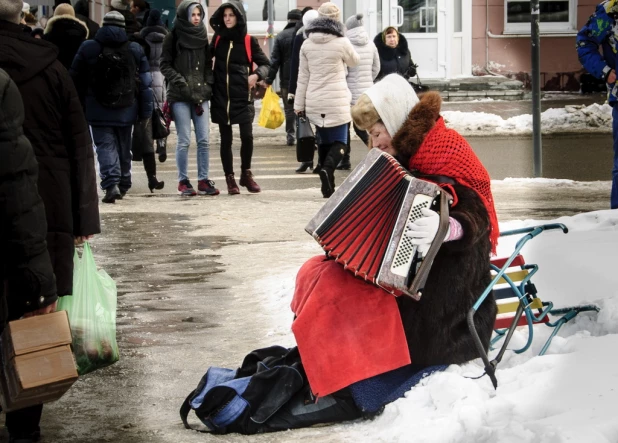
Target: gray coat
x,y
154,36
361,77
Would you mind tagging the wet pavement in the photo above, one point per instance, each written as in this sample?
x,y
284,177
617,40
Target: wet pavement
x,y
187,271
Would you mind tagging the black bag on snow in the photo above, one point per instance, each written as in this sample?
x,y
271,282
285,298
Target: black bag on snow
x,y
305,139
114,77
268,393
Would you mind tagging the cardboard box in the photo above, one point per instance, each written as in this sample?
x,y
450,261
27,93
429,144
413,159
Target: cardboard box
x,y
38,364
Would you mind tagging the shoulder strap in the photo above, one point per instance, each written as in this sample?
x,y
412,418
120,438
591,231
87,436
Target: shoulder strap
x,y
184,413
217,38
248,49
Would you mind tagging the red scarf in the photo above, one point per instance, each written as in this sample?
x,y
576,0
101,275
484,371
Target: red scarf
x,y
445,152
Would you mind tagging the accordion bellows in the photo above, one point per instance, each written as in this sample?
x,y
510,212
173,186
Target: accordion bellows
x,y
363,224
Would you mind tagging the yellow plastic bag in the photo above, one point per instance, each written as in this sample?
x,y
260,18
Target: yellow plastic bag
x,y
271,115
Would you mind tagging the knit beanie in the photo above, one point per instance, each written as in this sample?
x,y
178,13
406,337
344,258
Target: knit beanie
x,y
295,14
393,98
10,10
64,9
122,5
154,18
355,21
113,18
25,7
330,10
309,16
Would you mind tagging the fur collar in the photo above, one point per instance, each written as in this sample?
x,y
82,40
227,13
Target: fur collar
x,y
421,119
59,18
326,25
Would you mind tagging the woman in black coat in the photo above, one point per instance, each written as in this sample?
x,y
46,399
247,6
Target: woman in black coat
x,y
66,32
232,102
395,57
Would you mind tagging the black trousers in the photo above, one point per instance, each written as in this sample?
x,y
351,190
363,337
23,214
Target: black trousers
x,y
246,147
290,117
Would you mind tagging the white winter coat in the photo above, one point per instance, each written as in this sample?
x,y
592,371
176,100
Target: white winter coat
x,y
362,76
322,91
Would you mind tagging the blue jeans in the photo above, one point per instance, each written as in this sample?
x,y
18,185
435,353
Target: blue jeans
x,y
184,113
113,145
333,134
614,197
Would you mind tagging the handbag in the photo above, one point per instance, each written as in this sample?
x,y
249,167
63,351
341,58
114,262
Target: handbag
x,y
305,139
419,87
160,126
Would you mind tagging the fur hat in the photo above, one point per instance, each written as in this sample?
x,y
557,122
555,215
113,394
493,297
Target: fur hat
x,y
330,10
122,5
295,14
10,10
114,18
64,9
309,16
390,100
355,21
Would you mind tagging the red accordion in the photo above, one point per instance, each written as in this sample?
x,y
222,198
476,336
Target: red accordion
x,y
363,225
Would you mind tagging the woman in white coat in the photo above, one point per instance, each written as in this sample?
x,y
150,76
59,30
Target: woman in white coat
x,y
322,91
362,76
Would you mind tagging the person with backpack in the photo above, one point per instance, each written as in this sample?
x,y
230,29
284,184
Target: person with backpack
x,y
235,52
186,65
113,79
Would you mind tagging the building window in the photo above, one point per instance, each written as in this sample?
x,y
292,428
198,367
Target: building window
x,y
257,15
554,16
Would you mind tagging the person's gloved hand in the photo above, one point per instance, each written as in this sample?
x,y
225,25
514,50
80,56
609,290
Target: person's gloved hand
x,y
423,230
290,99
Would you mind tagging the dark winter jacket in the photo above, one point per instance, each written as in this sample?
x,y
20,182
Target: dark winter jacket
x,y
436,326
299,39
154,36
232,102
24,261
281,58
83,66
188,71
394,60
82,13
67,33
56,127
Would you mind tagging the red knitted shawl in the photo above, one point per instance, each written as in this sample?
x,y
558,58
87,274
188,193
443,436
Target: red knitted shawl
x,y
446,152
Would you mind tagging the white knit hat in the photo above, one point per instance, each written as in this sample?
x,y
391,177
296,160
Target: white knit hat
x,y
25,7
309,16
330,10
393,98
120,4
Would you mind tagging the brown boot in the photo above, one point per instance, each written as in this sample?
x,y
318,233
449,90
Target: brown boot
x,y
232,187
246,180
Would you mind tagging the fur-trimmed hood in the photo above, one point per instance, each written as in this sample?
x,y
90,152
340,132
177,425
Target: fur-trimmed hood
x,y
326,26
154,33
388,53
421,119
62,23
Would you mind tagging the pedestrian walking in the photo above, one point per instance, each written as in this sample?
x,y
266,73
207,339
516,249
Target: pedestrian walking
x,y
235,52
361,77
138,8
187,67
55,126
280,61
600,32
67,32
395,57
308,15
151,38
123,8
106,72
322,92
82,12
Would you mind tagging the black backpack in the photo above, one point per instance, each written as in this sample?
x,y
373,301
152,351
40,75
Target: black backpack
x,y
114,77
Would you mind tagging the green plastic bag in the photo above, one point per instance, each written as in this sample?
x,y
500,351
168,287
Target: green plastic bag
x,y
92,314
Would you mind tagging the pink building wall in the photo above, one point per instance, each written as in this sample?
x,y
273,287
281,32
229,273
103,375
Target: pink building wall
x,y
560,68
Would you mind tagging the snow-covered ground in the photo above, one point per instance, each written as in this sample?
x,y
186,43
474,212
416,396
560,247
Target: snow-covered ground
x,y
571,118
570,394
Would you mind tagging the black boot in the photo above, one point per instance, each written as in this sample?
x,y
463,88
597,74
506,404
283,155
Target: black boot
x,y
303,167
112,194
150,165
345,164
162,149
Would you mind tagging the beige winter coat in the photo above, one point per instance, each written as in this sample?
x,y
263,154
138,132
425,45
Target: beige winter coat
x,y
322,90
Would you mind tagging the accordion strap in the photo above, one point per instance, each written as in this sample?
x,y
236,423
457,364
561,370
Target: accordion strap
x,y
418,284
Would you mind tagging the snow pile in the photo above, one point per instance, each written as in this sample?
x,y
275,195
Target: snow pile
x,y
571,118
569,394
